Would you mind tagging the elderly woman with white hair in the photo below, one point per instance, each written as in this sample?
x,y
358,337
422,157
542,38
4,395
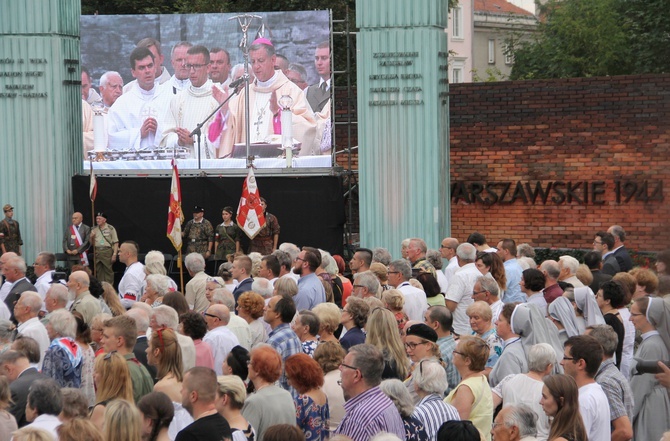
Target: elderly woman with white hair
x,y
527,388
156,286
430,383
480,315
154,263
399,395
63,360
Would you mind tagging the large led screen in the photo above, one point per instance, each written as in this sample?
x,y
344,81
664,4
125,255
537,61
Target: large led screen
x,y
144,103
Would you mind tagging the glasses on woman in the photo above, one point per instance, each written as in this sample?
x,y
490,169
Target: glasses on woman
x,y
412,345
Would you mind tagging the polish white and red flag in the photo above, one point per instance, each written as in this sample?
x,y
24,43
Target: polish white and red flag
x,y
250,217
175,214
93,188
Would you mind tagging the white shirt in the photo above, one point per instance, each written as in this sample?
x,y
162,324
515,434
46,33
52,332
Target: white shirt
x,y
4,311
46,422
460,292
595,410
442,281
221,340
496,309
241,329
415,301
130,286
35,329
43,283
6,287
628,342
451,269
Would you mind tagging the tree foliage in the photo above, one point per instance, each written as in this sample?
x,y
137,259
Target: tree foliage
x,y
647,26
577,38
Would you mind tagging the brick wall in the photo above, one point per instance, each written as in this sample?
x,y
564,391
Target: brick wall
x,y
581,130
608,134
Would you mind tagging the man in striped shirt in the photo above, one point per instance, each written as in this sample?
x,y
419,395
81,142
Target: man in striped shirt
x,y
367,410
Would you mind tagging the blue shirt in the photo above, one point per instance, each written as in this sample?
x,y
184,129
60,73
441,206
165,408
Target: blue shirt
x,y
283,340
513,289
310,292
447,345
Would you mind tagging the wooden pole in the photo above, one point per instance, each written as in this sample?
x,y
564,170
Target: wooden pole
x,y
181,272
93,226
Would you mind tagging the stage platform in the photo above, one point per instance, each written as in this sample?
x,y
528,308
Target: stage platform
x,y
303,166
310,209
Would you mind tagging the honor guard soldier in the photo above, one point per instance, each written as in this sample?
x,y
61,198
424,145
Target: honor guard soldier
x,y
106,246
199,234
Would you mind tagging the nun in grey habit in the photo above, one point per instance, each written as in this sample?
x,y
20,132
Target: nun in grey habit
x,y
562,314
651,411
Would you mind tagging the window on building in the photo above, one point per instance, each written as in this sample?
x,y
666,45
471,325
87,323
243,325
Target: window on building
x,y
509,56
457,22
492,51
457,75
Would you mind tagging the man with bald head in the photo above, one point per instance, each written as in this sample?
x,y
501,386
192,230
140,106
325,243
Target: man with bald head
x,y
14,270
26,310
551,272
448,248
76,241
84,302
130,286
220,338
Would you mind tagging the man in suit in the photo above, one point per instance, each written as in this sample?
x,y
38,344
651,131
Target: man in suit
x,y
14,271
620,251
318,94
593,260
76,241
318,97
241,272
16,367
140,350
603,243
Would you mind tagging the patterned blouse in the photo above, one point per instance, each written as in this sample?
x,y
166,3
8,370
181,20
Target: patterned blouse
x,y
313,419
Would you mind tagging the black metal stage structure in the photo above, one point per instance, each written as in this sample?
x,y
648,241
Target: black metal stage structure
x,y
310,209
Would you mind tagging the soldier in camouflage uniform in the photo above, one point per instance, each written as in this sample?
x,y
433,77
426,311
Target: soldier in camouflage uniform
x,y
199,234
10,234
416,253
106,246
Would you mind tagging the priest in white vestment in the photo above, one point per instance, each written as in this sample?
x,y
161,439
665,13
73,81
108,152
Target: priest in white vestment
x,y
190,107
162,74
264,112
180,80
136,118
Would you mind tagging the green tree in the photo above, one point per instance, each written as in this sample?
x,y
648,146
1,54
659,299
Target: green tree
x,y
647,26
577,38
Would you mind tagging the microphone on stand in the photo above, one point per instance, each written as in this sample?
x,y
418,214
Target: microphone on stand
x,y
237,82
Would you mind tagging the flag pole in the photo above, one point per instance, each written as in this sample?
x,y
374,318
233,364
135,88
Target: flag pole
x,y
93,223
93,193
181,272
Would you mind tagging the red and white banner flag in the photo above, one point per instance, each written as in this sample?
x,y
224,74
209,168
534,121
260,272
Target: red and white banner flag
x,y
250,217
93,189
175,215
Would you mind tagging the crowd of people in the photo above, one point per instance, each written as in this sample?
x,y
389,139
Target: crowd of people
x,y
468,342
160,111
